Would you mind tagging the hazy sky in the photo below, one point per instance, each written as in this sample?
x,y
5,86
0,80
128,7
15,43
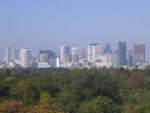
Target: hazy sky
x,y
47,24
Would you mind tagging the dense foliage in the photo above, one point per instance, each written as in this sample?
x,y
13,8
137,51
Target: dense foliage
x,y
74,91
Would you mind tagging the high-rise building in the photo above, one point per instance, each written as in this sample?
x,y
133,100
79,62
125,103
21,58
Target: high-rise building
x,y
54,62
44,58
17,54
75,54
10,55
121,53
139,53
93,51
50,54
107,49
130,57
25,58
83,54
65,54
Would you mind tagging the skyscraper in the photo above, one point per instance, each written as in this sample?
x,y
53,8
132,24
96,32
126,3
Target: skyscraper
x,y
50,53
17,54
121,53
83,54
93,51
107,49
24,58
75,54
65,54
44,58
130,57
139,53
10,55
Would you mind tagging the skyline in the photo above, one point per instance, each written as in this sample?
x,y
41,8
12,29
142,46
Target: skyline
x,y
49,24
36,53
71,57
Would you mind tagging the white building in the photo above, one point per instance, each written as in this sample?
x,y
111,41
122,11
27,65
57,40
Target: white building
x,y
75,55
94,50
139,54
24,58
85,63
83,54
66,65
44,58
10,55
106,60
57,62
43,65
65,55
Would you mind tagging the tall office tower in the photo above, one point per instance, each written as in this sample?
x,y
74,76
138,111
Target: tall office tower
x,y
75,54
139,53
130,57
83,54
115,57
65,55
44,58
121,53
10,55
24,58
93,51
107,49
50,53
17,54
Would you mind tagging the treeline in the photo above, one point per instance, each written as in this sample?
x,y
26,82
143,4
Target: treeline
x,y
74,91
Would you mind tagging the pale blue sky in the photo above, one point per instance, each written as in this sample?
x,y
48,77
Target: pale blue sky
x,y
47,24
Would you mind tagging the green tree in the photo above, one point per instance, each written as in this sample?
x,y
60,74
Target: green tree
x,y
28,90
45,98
99,105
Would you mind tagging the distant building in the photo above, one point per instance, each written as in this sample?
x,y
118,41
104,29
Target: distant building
x,y
107,49
50,54
43,65
106,60
44,58
139,54
10,55
54,62
83,54
57,62
65,54
25,58
130,57
93,51
115,60
84,63
121,53
34,64
75,55
17,54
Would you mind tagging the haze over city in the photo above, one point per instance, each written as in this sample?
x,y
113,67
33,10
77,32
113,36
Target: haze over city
x,y
47,24
74,56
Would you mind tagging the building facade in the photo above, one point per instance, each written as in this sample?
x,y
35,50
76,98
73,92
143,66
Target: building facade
x,y
24,58
94,50
75,55
10,55
65,54
139,54
121,53
44,58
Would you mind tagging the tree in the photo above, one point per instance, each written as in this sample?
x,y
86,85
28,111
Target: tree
x,y
28,90
135,80
45,98
99,105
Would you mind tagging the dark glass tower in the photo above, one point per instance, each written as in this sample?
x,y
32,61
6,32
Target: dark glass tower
x,y
121,53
